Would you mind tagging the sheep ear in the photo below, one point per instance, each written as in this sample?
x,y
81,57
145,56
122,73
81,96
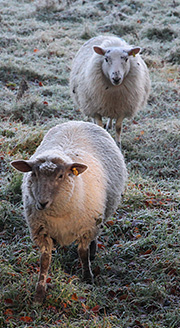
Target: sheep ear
x,y
99,50
76,168
22,166
134,51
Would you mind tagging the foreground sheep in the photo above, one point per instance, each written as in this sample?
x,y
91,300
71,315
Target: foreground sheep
x,y
75,180
109,78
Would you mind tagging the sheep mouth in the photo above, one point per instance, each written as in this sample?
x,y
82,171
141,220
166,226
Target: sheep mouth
x,y
116,82
42,206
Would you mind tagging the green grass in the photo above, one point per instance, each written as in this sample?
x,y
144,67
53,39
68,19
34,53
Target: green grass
x,y
137,267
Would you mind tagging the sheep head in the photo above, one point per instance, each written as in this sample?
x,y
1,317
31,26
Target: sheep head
x,y
48,178
116,65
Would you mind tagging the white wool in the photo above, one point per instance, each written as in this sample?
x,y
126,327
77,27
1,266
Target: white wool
x,y
82,178
82,199
93,92
47,167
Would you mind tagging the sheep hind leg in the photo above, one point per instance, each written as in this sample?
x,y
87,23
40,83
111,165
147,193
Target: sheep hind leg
x,y
45,261
84,254
118,131
109,124
98,119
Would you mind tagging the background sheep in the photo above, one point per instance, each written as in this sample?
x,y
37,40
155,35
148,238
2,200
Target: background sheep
x,y
63,204
109,78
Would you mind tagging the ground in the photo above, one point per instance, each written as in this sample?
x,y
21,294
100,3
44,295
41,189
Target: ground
x,y
137,267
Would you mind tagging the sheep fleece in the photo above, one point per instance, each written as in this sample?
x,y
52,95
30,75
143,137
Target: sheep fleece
x,y
83,199
94,93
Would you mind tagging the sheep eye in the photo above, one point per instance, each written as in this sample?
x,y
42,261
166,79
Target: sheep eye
x,y
106,59
60,176
125,58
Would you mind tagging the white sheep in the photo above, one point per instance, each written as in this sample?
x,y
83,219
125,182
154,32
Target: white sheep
x,y
63,204
109,78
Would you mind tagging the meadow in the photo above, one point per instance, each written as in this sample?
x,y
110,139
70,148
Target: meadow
x,y
137,267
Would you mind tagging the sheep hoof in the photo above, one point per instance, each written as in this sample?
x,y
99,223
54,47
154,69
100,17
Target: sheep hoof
x,y
119,144
88,278
39,295
38,299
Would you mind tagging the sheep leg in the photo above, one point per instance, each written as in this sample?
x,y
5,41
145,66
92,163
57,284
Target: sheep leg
x,y
84,254
45,261
109,124
98,119
118,131
93,248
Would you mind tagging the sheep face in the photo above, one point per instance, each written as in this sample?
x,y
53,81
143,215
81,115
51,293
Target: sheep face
x,y
48,178
116,64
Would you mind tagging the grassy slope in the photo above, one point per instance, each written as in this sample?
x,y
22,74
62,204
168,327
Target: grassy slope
x,y
137,265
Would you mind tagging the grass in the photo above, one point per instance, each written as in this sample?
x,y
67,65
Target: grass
x,y
137,272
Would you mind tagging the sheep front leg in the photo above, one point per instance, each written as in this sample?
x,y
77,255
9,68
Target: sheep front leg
x,y
45,261
93,248
84,254
118,131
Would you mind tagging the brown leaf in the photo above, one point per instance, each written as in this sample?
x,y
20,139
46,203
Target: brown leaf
x,y
123,297
96,309
149,251
8,312
48,280
26,319
101,246
74,297
8,301
110,222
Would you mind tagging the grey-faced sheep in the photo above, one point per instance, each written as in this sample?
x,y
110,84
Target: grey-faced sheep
x,y
71,184
109,78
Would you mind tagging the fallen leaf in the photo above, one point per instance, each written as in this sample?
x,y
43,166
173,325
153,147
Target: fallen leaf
x,y
123,297
48,280
172,272
96,308
26,319
8,301
110,222
8,312
111,293
149,251
74,297
101,246
107,266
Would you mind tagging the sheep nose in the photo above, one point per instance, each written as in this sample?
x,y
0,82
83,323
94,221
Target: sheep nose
x,y
42,205
116,80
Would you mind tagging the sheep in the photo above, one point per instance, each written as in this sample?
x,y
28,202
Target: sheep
x,y
72,183
109,78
